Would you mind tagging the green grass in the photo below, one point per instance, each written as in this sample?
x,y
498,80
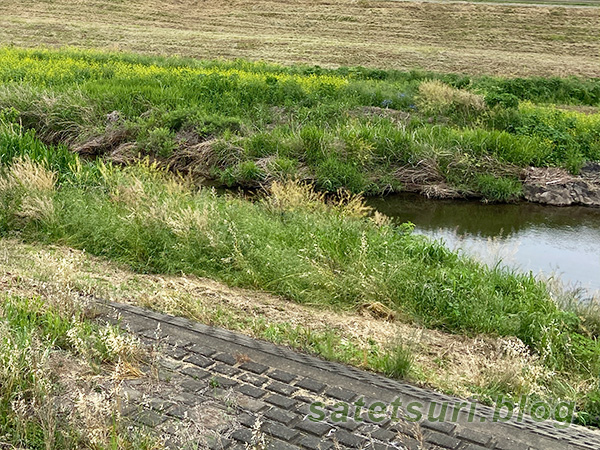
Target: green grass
x,y
242,123
33,331
289,243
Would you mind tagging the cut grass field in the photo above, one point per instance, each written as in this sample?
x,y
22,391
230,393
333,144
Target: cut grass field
x,y
497,39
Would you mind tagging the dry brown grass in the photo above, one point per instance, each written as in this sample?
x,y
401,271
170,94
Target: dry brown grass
x,y
436,97
453,37
27,187
448,362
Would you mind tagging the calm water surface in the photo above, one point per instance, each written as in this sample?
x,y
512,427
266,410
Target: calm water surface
x,y
541,239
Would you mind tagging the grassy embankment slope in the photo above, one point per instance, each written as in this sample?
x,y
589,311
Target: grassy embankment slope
x,y
290,243
364,130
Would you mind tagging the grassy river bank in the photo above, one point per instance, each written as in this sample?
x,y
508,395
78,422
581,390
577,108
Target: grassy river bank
x,y
103,153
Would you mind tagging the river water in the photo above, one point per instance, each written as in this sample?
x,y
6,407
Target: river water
x,y
550,241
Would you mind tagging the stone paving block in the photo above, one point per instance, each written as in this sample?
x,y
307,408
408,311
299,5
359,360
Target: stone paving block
x,y
237,446
442,427
201,350
506,443
379,446
282,402
349,425
247,420
130,409
280,415
222,382
382,434
149,418
250,404
340,394
192,399
217,443
169,363
153,334
198,360
407,428
180,411
193,386
226,370
166,375
410,443
303,409
281,388
305,398
176,352
279,431
242,435
314,443
225,358
316,428
254,367
379,419
195,372
311,385
173,338
473,436
160,404
348,439
282,375
256,380
130,393
250,390
473,447
134,324
278,445
442,440
217,393
175,379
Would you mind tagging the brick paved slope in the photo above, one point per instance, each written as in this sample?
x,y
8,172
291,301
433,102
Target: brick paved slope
x,y
223,390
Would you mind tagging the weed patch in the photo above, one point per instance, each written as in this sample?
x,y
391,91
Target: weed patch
x,y
248,124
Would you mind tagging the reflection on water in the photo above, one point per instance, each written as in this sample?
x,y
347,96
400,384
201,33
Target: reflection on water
x,y
541,239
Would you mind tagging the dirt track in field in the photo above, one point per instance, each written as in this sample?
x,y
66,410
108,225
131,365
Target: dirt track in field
x,y
455,37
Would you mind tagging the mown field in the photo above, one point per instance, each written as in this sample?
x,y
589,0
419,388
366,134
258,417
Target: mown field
x,y
447,37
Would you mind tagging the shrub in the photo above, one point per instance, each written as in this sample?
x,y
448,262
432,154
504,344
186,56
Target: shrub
x,y
334,173
158,141
498,189
248,172
260,145
503,100
26,194
314,143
